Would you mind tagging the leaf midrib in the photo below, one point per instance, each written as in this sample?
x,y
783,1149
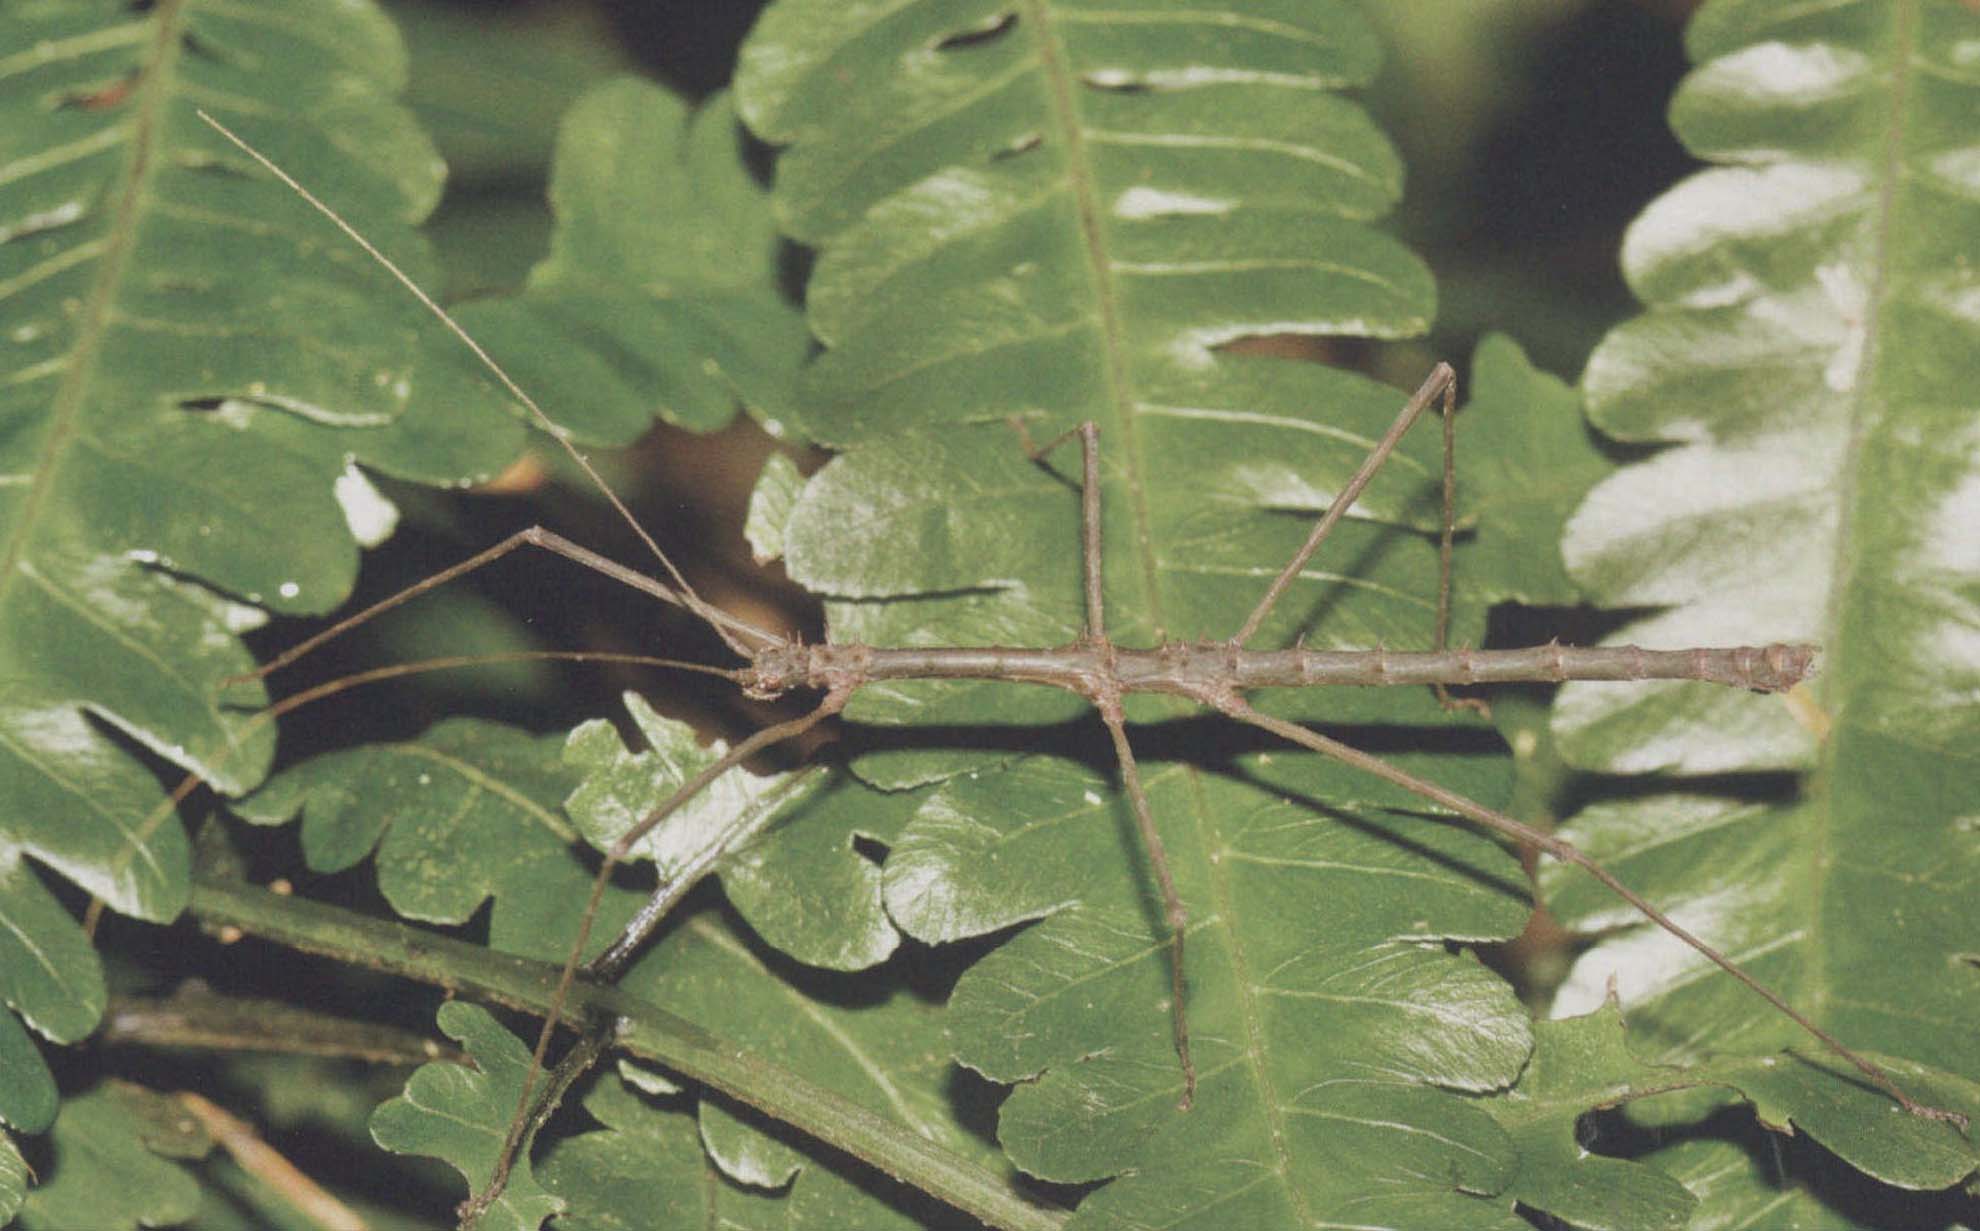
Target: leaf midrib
x,y
1060,89
1255,1042
135,179
1863,417
1129,450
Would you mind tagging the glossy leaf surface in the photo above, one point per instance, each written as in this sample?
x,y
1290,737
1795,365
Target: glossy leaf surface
x,y
1054,213
192,369
474,810
1578,1064
1808,355
13,1178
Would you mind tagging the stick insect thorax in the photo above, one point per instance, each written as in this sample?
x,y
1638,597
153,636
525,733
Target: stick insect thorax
x,y
1215,674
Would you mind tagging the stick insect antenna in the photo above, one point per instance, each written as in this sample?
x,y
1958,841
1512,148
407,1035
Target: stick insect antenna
x,y
726,626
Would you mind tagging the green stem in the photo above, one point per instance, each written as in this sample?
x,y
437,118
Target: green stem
x,y
646,1030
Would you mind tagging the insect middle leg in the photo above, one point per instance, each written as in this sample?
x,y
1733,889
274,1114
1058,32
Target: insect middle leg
x,y
1105,694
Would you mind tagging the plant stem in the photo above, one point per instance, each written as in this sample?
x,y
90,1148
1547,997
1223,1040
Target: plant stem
x,y
645,1030
205,1020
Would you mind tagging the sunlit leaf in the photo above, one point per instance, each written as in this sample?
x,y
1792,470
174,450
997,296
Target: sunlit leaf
x,y
783,843
1808,357
876,1039
192,370
13,1177
1579,1064
1054,214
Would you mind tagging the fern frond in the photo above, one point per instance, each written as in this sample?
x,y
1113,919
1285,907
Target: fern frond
x,y
1057,213
1808,357
191,372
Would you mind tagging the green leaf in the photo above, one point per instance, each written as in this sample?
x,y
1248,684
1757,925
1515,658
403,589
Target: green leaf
x,y
1048,213
877,1041
1578,1064
645,1168
14,1176
50,977
770,504
471,810
1828,1099
1584,1062
467,812
1739,1181
187,352
1051,212
881,1045
1525,460
792,871
108,1168
461,1115
1808,359
625,320
1306,968
654,1164
491,87
474,810
783,844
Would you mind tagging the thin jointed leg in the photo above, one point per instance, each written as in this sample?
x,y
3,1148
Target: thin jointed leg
x,y
1106,698
1441,381
1238,708
612,963
1109,706
1176,916
1448,530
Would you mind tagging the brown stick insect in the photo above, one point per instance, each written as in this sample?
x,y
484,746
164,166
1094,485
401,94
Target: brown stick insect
x,y
1216,675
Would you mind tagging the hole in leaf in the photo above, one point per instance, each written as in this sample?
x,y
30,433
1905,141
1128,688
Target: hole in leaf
x,y
1116,81
195,47
65,214
872,850
1019,145
995,27
1311,348
104,97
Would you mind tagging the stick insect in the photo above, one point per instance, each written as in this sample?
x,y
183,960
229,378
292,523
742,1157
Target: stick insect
x,y
1216,675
